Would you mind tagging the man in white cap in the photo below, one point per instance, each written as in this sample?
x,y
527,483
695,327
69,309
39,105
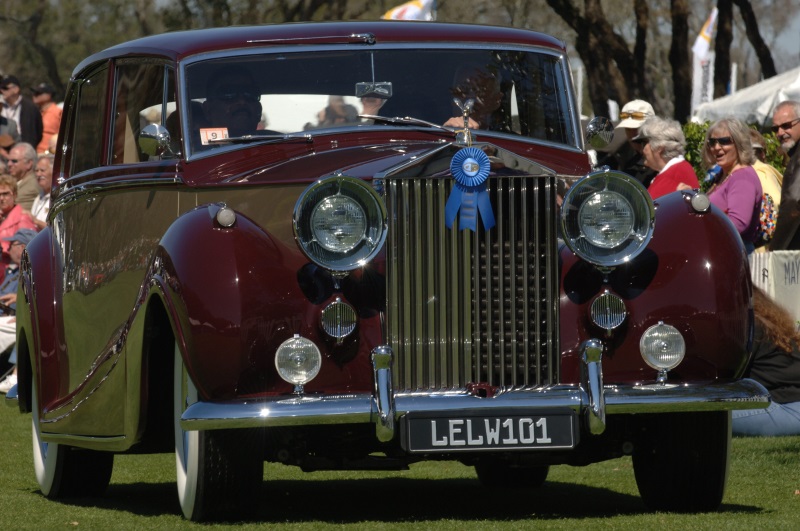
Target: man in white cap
x,y
629,158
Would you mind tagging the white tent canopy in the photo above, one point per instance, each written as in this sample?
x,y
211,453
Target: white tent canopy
x,y
754,104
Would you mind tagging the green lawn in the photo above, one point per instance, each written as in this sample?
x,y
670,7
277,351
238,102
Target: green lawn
x,y
763,493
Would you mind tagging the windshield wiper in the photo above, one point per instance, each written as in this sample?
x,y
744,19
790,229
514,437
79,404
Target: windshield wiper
x,y
247,139
405,120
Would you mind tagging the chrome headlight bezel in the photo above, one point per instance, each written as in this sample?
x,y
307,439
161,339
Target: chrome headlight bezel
x,y
607,218
315,223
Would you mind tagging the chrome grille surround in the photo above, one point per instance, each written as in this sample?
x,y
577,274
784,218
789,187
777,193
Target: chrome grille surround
x,y
472,307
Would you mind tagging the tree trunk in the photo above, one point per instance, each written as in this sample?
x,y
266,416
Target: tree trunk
x,y
680,60
642,13
754,36
722,48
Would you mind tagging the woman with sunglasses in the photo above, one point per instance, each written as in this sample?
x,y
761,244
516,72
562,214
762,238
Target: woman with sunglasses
x,y
738,190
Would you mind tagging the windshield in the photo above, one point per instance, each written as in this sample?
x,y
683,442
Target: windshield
x,y
511,91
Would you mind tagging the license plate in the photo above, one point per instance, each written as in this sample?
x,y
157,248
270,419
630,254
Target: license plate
x,y
431,432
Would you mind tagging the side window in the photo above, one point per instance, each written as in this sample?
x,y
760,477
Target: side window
x,y
138,102
89,119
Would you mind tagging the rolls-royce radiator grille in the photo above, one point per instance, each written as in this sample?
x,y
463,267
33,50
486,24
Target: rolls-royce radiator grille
x,y
472,307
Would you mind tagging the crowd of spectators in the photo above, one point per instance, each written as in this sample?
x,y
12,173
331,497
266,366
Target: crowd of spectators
x,y
28,130
762,204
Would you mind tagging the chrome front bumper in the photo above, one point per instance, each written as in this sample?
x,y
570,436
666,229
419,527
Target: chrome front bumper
x,y
591,398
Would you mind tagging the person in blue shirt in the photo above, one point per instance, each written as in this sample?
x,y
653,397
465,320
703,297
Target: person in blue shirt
x,y
8,303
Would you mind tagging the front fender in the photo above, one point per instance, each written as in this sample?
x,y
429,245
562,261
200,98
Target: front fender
x,y
693,275
38,322
234,297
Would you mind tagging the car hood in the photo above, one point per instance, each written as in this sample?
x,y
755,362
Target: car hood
x,y
408,159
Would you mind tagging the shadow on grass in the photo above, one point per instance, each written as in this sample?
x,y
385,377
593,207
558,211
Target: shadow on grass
x,y
397,500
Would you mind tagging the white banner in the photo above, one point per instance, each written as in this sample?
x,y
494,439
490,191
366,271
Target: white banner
x,y
778,273
702,79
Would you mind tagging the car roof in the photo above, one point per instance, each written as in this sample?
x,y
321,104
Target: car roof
x,y
180,44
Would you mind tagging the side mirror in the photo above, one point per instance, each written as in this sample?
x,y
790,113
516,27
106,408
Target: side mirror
x,y
154,141
599,132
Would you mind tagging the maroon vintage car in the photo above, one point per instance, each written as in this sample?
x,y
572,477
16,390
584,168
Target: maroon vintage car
x,y
363,245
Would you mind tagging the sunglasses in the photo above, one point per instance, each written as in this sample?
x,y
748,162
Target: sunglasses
x,y
722,141
785,126
636,115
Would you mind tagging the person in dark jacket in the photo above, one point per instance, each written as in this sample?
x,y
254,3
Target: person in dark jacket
x,y
776,366
786,126
22,110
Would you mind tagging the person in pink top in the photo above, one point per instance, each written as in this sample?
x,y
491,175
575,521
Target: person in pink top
x,y
738,190
663,146
12,216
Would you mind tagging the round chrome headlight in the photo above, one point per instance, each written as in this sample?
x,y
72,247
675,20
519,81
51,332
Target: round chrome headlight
x,y
340,223
298,360
662,346
607,218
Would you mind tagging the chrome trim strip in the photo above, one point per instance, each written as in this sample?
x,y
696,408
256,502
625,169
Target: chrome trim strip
x,y
358,409
592,379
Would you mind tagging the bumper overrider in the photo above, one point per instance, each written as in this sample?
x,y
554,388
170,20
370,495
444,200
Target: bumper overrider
x,y
588,402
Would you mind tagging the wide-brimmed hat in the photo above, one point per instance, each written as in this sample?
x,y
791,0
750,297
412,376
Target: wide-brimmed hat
x,y
634,113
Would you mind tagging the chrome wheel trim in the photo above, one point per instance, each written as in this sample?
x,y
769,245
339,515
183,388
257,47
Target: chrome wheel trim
x,y
187,446
45,455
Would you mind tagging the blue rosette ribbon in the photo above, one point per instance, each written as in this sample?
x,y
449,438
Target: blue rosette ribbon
x,y
470,168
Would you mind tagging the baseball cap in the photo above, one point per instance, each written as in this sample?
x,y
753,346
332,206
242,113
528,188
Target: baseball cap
x,y
43,88
22,236
8,80
634,113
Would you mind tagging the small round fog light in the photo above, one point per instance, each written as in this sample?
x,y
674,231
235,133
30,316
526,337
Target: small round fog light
x,y
608,311
338,319
662,346
298,360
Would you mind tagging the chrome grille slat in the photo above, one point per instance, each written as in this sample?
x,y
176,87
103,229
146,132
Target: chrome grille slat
x,y
468,307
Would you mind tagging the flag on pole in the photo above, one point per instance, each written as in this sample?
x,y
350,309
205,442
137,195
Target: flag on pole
x,y
702,44
703,63
414,10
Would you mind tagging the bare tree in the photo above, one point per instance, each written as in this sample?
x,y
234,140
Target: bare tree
x,y
754,36
679,60
724,38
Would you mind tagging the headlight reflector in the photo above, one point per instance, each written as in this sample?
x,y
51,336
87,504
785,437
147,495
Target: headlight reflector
x,y
340,223
607,218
